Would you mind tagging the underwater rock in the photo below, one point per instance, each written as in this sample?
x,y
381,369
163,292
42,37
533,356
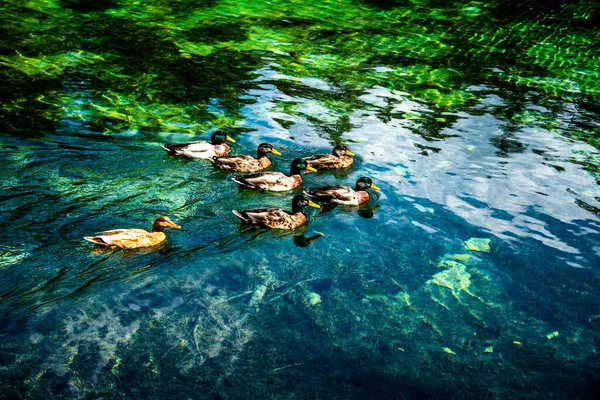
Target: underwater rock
x,y
478,244
552,335
312,299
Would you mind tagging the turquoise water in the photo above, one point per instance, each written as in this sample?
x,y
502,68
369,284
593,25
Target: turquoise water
x,y
476,120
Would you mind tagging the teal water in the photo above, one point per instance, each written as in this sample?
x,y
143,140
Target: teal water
x,y
476,120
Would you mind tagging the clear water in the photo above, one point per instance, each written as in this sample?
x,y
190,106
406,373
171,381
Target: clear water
x,y
477,120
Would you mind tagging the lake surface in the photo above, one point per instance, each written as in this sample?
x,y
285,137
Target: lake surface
x,y
473,273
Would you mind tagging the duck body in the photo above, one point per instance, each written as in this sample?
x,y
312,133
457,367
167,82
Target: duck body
x,y
277,218
269,181
343,194
134,238
275,181
241,163
202,149
244,162
340,158
274,218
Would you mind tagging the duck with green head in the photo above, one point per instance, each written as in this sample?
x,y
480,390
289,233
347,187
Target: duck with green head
x,y
202,149
277,218
275,181
343,194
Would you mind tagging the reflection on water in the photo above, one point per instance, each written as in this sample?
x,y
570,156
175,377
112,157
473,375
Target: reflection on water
x,y
472,273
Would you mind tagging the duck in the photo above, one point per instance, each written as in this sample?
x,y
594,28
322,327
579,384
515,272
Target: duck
x,y
246,163
202,149
134,238
343,194
277,218
275,181
340,157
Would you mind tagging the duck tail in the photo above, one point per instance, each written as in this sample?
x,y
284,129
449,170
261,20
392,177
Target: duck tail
x,y
239,181
96,240
171,149
308,193
241,216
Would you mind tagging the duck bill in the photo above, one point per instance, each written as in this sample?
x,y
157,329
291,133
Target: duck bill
x,y
349,153
313,204
310,169
275,152
374,187
176,226
229,139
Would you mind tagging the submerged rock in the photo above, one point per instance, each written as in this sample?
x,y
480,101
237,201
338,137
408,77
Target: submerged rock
x,y
478,244
312,299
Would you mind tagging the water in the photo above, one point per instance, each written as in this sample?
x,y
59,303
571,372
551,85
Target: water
x,y
477,120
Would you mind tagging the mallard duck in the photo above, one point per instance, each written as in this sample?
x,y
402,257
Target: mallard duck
x,y
275,181
341,157
277,218
344,194
246,163
134,238
202,149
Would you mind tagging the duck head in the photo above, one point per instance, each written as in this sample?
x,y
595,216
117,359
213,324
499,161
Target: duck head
x,y
299,165
163,222
300,201
219,137
365,183
266,148
340,150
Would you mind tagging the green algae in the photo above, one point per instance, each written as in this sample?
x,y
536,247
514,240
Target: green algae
x,y
297,37
478,244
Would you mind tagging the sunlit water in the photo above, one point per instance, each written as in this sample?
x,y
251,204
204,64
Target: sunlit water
x,y
477,121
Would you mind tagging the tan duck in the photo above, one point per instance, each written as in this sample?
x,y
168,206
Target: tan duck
x,y
341,157
343,194
275,181
134,238
244,162
202,149
277,218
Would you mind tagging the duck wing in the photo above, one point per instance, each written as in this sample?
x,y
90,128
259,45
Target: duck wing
x,y
265,181
334,194
239,162
263,216
322,161
200,149
125,238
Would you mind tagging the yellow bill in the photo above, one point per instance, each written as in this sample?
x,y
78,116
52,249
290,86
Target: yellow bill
x,y
310,169
229,139
313,204
374,187
275,152
349,153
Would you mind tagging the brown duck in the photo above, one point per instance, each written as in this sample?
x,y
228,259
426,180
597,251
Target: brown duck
x,y
277,218
134,238
244,162
341,157
343,194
